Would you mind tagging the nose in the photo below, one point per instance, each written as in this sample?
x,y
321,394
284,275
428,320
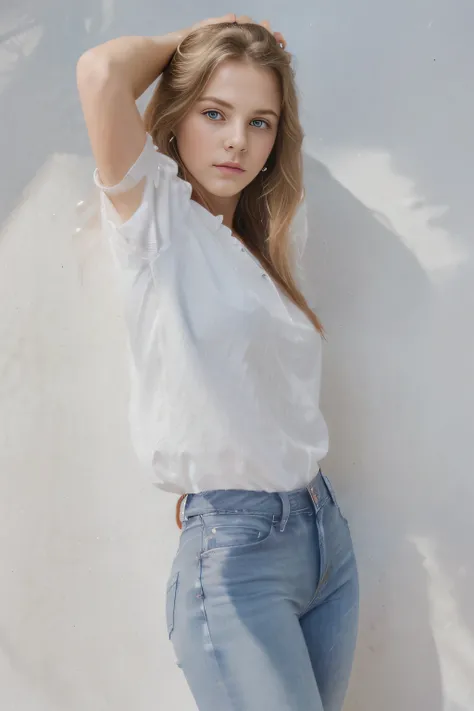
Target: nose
x,y
237,139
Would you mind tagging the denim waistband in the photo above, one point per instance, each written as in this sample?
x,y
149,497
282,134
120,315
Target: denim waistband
x,y
278,504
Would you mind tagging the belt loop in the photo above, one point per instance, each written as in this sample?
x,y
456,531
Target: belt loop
x,y
285,514
330,489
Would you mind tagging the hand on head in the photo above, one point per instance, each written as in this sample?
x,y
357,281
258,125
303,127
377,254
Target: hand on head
x,y
241,20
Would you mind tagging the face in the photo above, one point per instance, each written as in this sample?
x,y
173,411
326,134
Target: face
x,y
235,120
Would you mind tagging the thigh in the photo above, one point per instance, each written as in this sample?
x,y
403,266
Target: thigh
x,y
236,633
330,627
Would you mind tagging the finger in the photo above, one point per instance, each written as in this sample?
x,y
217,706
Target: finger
x,y
280,39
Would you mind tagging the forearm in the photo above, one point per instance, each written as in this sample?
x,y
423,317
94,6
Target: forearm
x,y
135,61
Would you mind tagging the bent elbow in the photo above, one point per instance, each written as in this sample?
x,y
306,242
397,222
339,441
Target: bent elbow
x,y
93,71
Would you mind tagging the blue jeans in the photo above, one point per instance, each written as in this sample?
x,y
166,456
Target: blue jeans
x,y
262,600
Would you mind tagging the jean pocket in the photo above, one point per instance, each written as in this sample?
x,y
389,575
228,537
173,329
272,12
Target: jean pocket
x,y
235,532
171,603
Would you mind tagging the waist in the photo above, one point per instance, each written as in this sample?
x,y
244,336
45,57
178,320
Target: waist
x,y
311,497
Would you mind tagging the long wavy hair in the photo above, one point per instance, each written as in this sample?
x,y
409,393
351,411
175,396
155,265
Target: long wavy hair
x,y
267,205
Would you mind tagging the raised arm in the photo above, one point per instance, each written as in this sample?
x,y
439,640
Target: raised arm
x,y
110,78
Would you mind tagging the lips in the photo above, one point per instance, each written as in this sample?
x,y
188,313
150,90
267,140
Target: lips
x,y
230,169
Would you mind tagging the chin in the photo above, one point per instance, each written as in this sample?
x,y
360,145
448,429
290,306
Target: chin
x,y
223,191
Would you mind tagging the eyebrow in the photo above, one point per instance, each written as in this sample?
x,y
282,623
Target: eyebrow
x,y
229,106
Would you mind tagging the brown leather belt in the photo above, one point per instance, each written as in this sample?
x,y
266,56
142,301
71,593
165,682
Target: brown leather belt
x,y
178,506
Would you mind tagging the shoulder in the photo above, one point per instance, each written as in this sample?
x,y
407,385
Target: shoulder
x,y
151,183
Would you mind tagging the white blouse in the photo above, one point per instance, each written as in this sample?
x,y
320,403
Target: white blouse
x,y
225,369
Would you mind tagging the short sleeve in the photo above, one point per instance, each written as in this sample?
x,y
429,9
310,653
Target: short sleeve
x,y
149,231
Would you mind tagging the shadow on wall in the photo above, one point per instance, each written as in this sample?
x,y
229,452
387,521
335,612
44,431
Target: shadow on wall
x,y
385,393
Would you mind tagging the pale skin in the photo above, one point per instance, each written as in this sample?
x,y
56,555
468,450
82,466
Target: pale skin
x,y
112,76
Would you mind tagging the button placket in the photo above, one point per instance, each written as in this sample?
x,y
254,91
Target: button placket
x,y
263,274
243,249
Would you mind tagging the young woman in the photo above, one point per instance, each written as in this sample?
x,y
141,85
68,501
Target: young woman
x,y
199,200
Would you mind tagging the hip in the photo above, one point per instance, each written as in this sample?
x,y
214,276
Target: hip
x,y
297,541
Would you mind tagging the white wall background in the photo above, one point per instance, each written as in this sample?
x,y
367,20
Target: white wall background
x,y
86,542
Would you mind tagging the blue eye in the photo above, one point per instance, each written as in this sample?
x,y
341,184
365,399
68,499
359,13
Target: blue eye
x,y
262,121
212,111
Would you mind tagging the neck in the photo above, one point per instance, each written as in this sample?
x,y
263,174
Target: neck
x,y
224,206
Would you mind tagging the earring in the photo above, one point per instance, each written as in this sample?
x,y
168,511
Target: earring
x,y
264,169
171,139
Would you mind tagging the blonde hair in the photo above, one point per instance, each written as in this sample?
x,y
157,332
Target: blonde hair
x,y
267,205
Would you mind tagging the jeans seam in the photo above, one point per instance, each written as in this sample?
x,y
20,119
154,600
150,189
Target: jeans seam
x,y
316,595
323,573
206,621
227,512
